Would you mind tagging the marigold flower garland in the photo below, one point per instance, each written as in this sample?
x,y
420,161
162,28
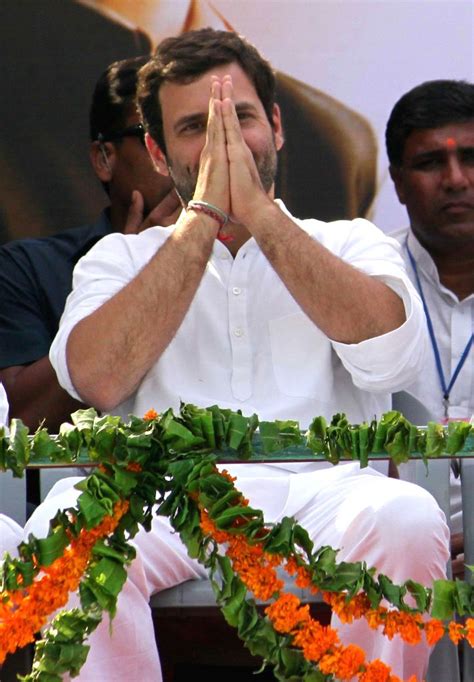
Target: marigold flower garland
x,y
24,612
320,644
166,459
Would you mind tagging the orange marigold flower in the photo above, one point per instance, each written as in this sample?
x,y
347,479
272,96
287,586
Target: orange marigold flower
x,y
470,631
376,617
150,415
347,663
303,574
455,632
225,474
376,671
208,527
434,631
315,639
329,663
286,613
355,608
254,567
303,579
407,625
291,565
134,466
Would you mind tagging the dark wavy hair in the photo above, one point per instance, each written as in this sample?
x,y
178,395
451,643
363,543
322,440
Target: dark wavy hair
x,y
430,105
114,96
185,58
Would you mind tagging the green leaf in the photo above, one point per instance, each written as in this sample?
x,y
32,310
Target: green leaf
x,y
279,435
397,446
443,599
264,640
347,576
179,438
280,537
434,439
126,480
228,516
51,547
216,506
103,548
292,662
355,437
44,448
420,594
237,430
302,539
248,619
18,452
394,593
325,559
463,597
456,436
235,603
316,436
105,580
91,509
225,568
84,420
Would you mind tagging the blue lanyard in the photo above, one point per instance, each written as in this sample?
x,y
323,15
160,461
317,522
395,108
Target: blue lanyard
x,y
446,389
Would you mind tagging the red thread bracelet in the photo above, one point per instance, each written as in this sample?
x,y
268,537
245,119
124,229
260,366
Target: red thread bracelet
x,y
213,212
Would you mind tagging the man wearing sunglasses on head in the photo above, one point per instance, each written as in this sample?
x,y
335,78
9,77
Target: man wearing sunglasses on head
x,y
36,274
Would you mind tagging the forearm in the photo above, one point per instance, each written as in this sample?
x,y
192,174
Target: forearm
x,y
133,328
35,396
348,305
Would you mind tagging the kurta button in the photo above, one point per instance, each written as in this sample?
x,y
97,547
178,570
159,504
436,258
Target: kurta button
x,y
238,331
236,291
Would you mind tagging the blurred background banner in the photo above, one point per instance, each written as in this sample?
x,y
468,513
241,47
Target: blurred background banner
x,y
341,65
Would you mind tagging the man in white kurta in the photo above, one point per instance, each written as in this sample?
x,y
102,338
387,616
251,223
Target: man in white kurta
x,y
430,144
264,313
453,322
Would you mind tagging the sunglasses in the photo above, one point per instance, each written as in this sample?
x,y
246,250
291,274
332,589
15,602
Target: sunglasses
x,y
132,131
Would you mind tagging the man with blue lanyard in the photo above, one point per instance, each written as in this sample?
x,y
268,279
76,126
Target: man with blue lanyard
x,y
430,146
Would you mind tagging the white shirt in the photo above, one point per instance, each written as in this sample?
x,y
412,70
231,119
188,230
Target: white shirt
x,y
245,343
453,324
3,406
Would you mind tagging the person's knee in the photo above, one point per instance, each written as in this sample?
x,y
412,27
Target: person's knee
x,y
400,529
413,521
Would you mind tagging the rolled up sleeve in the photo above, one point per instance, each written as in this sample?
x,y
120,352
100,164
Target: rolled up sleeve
x,y
391,361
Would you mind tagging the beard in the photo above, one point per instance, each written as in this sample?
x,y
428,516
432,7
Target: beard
x,y
185,178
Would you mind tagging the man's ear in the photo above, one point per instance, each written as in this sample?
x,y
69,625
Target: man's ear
x,y
396,173
102,156
157,156
277,128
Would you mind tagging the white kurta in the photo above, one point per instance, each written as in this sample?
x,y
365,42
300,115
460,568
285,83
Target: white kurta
x,y
453,324
245,343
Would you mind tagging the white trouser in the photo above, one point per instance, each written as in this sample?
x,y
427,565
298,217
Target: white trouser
x,y
391,524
